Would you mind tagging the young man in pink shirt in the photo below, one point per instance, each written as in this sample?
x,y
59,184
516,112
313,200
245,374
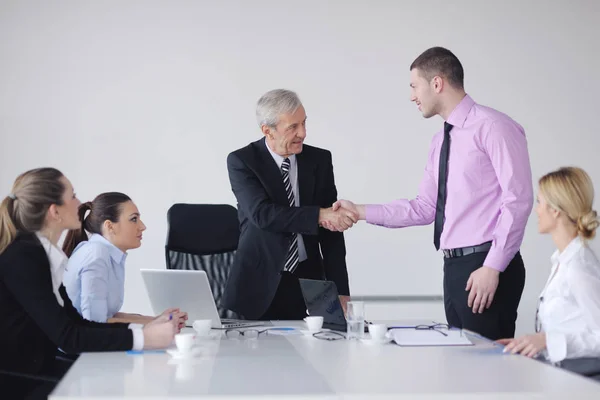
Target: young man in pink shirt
x,y
477,190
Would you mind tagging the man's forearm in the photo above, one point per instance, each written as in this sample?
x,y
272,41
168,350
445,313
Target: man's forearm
x,y
399,213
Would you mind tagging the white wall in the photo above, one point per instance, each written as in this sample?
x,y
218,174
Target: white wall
x,y
149,97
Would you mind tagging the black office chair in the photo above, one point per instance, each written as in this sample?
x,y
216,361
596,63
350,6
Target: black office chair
x,y
586,366
204,237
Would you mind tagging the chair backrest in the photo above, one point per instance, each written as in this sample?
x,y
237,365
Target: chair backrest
x,y
204,237
586,366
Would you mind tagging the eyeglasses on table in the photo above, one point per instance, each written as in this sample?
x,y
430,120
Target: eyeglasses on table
x,y
255,333
329,335
434,327
244,333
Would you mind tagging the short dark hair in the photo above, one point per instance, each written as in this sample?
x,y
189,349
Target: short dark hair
x,y
106,206
442,62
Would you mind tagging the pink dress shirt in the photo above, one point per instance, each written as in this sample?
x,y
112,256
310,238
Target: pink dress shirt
x,y
489,187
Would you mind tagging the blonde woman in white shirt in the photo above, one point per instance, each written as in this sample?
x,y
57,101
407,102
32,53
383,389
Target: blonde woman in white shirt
x,y
568,316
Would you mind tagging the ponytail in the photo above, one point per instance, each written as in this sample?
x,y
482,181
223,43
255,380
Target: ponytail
x,y
25,209
76,236
8,231
106,206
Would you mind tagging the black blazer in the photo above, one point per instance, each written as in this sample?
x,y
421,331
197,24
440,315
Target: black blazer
x,y
32,323
267,222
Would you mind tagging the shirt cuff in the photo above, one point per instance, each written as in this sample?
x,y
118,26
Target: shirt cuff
x,y
556,344
135,326
138,338
496,260
374,214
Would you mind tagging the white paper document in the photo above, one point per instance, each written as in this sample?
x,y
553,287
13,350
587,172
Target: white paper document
x,y
430,337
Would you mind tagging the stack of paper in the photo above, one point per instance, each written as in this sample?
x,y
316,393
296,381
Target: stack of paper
x,y
430,337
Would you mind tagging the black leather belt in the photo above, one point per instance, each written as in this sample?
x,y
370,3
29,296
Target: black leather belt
x,y
465,251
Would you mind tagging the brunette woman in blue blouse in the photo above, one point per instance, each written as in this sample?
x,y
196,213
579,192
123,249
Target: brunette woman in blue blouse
x,y
95,275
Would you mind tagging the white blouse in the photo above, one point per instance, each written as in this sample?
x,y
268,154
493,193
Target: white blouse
x,y
58,262
569,308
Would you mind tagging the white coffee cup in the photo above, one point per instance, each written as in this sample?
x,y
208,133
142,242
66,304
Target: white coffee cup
x,y
202,326
378,332
185,341
314,323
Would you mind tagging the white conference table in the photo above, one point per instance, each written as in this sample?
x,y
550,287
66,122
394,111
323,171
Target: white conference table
x,y
304,367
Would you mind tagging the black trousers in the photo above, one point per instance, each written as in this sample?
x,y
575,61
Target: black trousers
x,y
499,320
288,303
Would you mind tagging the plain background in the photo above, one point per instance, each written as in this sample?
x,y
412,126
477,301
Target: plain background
x,y
149,97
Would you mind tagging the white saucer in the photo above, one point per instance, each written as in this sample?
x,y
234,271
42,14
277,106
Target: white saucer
x,y
209,336
190,361
370,341
179,355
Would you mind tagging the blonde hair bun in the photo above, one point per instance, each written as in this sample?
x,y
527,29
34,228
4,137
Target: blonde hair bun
x,y
587,224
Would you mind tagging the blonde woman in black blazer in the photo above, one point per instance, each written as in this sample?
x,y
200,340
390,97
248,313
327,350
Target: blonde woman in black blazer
x,y
36,316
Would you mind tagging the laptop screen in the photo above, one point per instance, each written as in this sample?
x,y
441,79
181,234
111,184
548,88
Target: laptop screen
x,y
321,298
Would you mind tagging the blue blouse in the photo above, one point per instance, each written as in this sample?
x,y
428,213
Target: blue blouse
x,y
95,279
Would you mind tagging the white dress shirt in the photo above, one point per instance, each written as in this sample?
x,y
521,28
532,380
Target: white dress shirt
x,y
569,309
58,261
294,181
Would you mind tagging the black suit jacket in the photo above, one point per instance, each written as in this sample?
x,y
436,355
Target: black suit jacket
x,y
32,323
267,223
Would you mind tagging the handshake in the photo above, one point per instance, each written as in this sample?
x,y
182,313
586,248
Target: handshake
x,y
343,214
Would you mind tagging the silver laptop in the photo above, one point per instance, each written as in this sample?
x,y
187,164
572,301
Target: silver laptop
x,y
190,292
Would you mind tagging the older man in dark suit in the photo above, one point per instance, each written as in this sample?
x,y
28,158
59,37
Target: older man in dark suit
x,y
285,190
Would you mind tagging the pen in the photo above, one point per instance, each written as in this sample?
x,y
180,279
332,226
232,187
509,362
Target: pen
x,y
134,352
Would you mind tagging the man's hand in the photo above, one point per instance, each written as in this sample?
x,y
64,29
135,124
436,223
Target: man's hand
x,y
529,346
482,283
339,220
359,210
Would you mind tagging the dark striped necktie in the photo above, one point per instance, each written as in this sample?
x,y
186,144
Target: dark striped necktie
x,y
291,261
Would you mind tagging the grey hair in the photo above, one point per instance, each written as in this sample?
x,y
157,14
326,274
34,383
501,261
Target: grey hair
x,y
274,103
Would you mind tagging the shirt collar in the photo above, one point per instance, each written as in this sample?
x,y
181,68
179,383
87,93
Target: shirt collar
x,y
279,159
458,116
572,248
54,253
58,261
115,253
